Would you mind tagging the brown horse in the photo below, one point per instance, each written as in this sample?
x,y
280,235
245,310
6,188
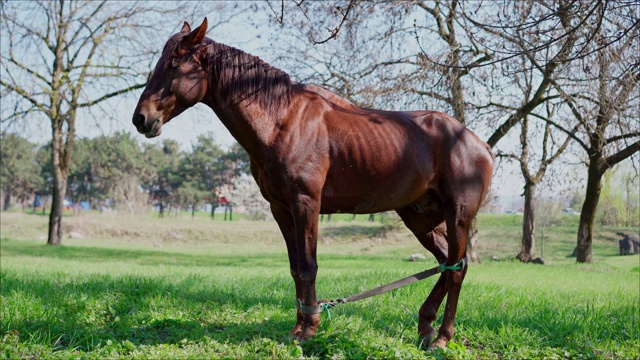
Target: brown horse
x,y
313,153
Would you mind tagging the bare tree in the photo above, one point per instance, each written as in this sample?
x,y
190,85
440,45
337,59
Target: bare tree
x,y
603,101
550,151
62,58
508,35
459,60
532,45
332,24
463,58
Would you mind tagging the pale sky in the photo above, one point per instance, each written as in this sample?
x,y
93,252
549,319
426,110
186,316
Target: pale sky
x,y
200,119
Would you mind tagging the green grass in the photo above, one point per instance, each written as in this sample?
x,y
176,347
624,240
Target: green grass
x,y
182,288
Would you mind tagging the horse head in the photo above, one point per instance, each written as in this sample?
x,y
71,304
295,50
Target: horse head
x,y
178,81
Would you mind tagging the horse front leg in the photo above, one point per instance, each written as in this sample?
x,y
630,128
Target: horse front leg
x,y
305,216
285,222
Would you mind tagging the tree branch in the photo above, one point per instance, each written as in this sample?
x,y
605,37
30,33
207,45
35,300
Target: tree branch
x,y
622,137
112,94
609,161
25,95
333,33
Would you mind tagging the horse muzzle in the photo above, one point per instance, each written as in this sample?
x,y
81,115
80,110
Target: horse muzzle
x,y
148,127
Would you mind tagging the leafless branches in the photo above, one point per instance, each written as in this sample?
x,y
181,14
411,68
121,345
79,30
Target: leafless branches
x,y
340,12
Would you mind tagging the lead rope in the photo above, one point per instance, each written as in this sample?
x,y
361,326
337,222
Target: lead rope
x,y
326,305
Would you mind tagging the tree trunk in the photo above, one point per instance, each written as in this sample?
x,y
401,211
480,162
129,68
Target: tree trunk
x,y
57,207
161,207
213,211
55,217
542,242
60,154
588,213
7,201
528,250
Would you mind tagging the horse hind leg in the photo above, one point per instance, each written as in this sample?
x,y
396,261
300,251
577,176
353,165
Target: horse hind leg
x,y
429,227
429,309
458,217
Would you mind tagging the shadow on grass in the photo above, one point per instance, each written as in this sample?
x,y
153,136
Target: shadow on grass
x,y
251,258
138,256
371,230
350,230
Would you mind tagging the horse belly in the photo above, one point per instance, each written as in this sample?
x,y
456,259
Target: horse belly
x,y
360,198
379,161
360,189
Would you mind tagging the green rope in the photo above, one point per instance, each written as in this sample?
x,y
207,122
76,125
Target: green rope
x,y
326,307
457,266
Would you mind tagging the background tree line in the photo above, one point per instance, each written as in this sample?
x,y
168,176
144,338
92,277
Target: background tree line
x,y
116,172
548,84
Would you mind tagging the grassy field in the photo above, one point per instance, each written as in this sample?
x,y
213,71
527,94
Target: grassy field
x,y
194,288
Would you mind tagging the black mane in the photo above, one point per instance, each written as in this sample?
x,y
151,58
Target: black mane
x,y
239,76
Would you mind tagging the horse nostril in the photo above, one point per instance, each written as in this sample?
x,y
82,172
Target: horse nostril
x,y
138,120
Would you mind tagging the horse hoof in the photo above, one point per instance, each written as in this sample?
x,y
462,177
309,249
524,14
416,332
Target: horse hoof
x,y
307,333
295,332
425,340
303,339
439,343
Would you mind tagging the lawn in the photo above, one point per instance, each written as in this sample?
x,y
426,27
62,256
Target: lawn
x,y
143,287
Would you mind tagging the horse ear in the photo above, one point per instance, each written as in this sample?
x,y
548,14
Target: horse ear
x,y
186,27
195,37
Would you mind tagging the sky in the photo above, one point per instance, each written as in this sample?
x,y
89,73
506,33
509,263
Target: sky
x,y
200,119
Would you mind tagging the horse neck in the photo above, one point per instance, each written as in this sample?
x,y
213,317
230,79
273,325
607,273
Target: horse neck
x,y
248,95
249,124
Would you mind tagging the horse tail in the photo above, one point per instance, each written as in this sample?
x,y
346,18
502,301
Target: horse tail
x,y
493,161
493,156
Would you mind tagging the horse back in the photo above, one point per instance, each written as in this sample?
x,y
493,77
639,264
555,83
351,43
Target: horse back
x,y
380,160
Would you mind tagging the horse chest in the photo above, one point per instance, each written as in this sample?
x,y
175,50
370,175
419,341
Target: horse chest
x,y
281,183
